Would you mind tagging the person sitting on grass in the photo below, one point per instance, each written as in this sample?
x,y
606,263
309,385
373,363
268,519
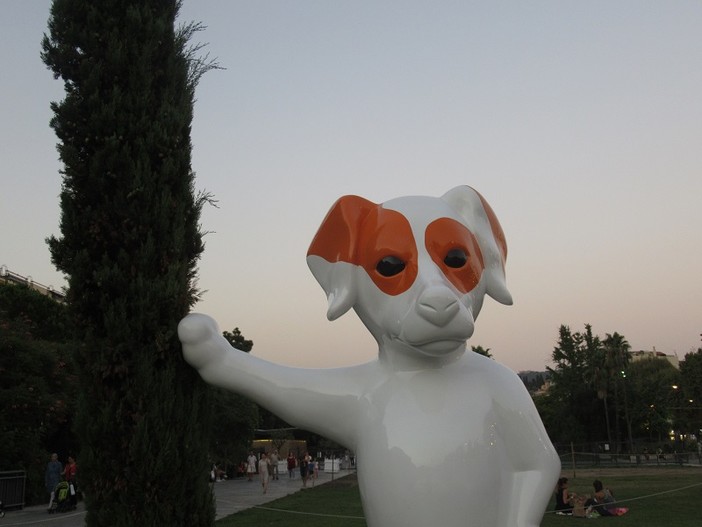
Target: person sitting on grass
x,y
603,503
564,499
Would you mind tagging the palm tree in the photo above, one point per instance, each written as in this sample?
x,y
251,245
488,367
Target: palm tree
x,y
616,361
599,375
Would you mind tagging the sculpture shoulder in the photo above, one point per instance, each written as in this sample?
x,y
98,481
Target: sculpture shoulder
x,y
496,376
365,375
487,366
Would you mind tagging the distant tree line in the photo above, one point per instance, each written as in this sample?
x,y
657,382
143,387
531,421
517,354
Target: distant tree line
x,y
534,380
38,391
598,396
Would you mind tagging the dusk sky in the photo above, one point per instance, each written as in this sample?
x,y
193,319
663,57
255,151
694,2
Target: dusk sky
x,y
579,122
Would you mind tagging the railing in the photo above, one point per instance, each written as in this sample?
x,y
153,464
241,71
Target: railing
x,y
12,488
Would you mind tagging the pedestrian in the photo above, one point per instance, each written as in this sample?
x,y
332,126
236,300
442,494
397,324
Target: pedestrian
x,y
52,476
251,466
310,468
263,466
292,463
303,469
274,459
70,472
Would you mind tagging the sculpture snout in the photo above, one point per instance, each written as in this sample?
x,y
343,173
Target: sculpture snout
x,y
437,305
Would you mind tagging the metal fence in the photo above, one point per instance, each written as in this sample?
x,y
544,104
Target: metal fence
x,y
12,488
587,459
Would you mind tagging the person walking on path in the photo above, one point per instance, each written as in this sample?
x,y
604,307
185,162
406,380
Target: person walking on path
x,y
292,463
305,468
250,466
263,471
70,472
274,459
52,476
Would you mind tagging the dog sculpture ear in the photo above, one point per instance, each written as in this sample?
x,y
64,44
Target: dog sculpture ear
x,y
481,220
332,255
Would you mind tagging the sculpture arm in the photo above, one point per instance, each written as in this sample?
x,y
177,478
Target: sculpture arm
x,y
319,400
535,464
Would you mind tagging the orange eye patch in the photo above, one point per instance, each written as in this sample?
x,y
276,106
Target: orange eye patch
x,y
380,240
455,250
360,232
387,251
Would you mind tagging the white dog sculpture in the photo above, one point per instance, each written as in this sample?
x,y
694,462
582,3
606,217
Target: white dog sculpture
x,y
443,436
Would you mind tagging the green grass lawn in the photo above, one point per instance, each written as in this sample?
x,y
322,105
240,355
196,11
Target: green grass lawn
x,y
643,491
337,498
655,497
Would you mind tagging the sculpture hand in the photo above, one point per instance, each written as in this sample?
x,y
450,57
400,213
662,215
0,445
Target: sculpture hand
x,y
202,340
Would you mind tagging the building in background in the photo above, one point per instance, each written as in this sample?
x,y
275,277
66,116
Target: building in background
x,y
10,277
643,355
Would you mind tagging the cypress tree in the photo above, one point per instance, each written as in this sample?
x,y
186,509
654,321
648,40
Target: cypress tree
x,y
129,244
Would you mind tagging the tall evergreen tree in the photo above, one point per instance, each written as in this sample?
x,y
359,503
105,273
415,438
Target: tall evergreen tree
x,y
599,375
574,417
129,244
568,388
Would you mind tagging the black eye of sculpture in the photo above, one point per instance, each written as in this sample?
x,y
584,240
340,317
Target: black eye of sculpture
x,y
456,258
390,266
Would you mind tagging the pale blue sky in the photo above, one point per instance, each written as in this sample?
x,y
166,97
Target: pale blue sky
x,y
580,122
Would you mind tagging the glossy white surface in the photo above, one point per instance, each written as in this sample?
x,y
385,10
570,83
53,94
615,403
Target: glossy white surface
x,y
442,435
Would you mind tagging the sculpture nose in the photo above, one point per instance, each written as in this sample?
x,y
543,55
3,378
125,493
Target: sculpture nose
x,y
438,306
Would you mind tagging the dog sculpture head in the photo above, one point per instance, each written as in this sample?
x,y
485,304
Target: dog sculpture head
x,y
415,269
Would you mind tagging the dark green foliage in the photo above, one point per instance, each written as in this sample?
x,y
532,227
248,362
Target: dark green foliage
x,y
38,386
235,416
237,340
690,398
481,351
691,370
598,395
651,382
37,315
533,380
129,244
571,401
587,372
235,420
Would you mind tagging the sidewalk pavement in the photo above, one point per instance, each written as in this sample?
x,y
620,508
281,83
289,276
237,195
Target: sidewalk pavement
x,y
239,494
232,496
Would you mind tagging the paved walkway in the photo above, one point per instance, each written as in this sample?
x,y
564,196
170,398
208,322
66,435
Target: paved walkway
x,y
232,496
239,494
